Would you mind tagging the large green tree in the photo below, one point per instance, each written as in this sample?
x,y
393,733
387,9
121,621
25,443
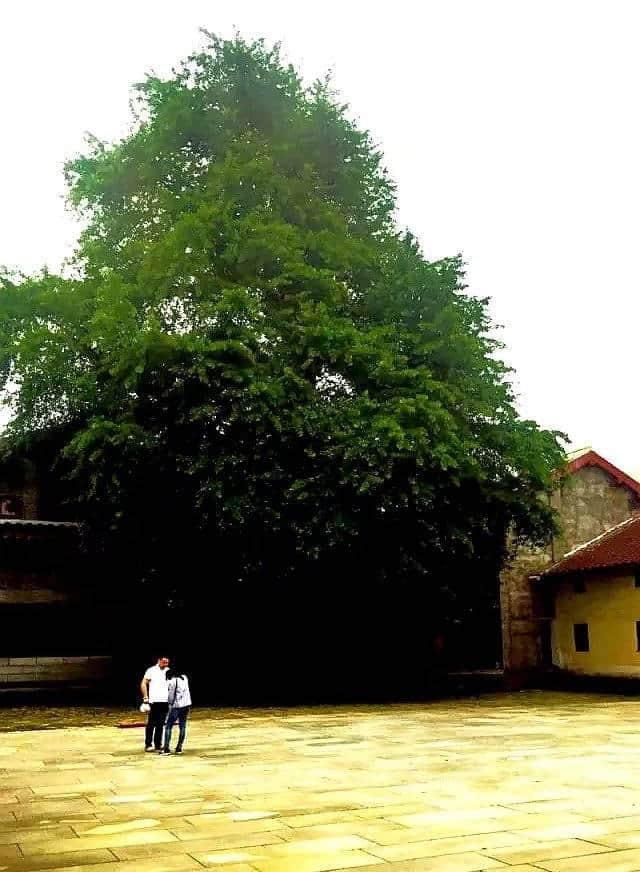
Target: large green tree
x,y
248,374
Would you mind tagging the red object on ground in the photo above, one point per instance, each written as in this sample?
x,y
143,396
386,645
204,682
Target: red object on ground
x,y
124,724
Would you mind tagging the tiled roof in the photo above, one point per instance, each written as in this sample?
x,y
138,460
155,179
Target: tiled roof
x,y
619,546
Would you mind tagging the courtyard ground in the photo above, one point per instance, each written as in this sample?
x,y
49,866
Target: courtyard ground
x,y
523,781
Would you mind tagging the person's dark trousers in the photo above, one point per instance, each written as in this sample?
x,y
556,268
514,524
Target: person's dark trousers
x,y
180,715
155,725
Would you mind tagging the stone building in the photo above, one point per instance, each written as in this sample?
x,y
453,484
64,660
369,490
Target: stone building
x,y
47,630
594,497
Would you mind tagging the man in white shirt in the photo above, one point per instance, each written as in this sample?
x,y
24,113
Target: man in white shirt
x,y
155,691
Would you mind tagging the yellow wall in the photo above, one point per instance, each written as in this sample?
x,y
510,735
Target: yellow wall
x,y
611,607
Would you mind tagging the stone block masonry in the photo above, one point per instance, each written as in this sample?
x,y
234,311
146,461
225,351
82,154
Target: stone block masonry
x,y
38,670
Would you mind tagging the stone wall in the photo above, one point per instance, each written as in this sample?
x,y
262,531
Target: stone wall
x,y
37,562
27,586
521,612
43,670
589,502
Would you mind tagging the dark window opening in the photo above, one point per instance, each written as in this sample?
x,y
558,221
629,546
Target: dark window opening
x,y
579,585
581,637
548,601
546,652
637,635
637,577
59,630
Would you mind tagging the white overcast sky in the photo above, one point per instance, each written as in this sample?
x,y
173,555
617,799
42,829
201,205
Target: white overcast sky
x,y
510,126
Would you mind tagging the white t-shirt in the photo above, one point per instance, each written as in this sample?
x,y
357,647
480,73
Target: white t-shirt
x,y
158,687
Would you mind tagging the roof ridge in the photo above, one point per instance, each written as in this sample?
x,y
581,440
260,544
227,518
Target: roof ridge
x,y
578,452
601,536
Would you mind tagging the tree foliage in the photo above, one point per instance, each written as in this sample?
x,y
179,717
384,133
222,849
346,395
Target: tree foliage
x,y
248,373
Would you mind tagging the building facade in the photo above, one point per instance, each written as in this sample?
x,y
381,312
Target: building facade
x,y
48,632
596,597
593,498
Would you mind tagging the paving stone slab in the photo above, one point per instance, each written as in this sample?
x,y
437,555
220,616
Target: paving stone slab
x,y
521,781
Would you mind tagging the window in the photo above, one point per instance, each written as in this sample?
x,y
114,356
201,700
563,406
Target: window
x,y
548,600
637,635
579,585
637,577
581,637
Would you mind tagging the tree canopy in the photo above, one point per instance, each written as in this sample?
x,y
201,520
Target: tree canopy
x,y
248,373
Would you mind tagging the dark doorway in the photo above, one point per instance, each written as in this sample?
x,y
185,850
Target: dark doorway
x,y
546,654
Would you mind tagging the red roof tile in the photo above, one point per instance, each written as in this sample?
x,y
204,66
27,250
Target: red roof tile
x,y
619,546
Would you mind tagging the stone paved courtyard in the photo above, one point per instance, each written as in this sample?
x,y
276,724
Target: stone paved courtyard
x,y
522,781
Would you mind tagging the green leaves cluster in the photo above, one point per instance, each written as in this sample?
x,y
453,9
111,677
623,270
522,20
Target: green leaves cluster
x,y
249,365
